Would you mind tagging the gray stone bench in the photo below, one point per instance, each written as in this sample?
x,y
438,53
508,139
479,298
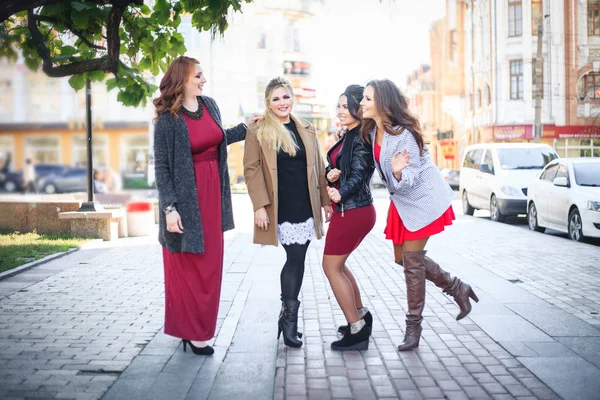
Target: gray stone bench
x,y
106,224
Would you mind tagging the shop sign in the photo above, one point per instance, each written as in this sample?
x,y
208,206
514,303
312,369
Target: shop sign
x,y
448,148
513,132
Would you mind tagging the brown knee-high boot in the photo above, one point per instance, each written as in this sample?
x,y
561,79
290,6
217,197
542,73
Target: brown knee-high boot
x,y
414,273
459,290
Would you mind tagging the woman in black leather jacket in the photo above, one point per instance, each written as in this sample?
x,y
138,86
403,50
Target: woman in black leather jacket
x,y
349,172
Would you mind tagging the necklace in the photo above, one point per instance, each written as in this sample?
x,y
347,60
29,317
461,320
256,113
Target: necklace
x,y
194,114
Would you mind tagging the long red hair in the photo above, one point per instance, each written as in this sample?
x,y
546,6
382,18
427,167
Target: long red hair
x,y
172,86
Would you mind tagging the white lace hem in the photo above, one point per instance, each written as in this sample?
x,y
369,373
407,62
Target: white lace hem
x,y
299,233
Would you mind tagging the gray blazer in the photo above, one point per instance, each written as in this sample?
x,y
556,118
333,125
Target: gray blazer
x,y
422,195
176,182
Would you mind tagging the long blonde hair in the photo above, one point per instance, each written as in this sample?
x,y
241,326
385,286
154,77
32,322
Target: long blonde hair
x,y
271,131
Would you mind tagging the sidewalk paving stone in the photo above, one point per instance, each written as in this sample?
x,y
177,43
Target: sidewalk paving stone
x,y
90,325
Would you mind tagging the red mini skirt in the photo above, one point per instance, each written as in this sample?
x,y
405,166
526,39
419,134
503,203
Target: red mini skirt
x,y
398,233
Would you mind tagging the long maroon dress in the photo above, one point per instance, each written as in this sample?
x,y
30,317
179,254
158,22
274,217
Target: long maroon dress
x,y
192,280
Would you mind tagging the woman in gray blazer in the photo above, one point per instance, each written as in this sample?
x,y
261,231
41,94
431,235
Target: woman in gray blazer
x,y
190,151
421,200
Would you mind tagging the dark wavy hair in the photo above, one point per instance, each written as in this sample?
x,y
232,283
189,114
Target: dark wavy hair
x,y
392,108
354,94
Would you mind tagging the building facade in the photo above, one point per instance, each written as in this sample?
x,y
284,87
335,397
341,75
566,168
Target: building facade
x,y
43,118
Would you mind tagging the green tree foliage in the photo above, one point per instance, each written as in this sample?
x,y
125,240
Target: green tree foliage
x,y
96,38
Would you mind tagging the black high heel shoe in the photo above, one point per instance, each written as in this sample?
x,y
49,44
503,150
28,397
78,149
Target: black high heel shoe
x,y
200,351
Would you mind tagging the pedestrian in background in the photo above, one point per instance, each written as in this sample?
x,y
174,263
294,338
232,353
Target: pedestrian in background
x,y
349,174
285,175
190,148
421,200
29,184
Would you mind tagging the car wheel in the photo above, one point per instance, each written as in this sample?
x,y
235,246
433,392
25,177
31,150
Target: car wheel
x,y
50,189
467,209
575,226
495,213
532,219
10,186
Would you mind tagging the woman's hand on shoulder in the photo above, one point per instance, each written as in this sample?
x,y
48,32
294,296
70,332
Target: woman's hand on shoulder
x,y
255,118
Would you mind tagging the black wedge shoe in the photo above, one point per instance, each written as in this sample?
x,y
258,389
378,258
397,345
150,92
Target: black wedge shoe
x,y
357,341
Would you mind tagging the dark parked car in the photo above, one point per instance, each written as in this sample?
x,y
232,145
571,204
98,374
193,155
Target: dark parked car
x,y
13,181
70,180
451,176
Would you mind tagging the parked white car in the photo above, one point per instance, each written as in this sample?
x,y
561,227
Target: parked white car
x,y
566,197
496,176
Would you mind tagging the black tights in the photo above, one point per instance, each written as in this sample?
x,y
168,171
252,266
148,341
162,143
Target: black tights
x,y
293,270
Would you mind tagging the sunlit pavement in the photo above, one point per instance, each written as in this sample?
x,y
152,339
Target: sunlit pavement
x,y
89,325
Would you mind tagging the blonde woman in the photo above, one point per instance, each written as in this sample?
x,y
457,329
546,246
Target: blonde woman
x,y
285,175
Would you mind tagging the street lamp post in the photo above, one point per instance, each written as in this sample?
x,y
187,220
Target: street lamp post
x,y
89,204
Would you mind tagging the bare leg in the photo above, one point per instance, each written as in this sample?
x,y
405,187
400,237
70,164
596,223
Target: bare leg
x,y
341,285
350,276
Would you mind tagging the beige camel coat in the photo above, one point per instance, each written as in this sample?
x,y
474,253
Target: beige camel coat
x,y
260,173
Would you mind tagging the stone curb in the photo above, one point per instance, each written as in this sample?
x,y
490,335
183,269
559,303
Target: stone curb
x,y
25,267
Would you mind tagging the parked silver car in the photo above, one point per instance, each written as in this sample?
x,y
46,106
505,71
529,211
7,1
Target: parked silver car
x,y
70,180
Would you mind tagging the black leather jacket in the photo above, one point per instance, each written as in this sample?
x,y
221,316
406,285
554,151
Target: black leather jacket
x,y
355,161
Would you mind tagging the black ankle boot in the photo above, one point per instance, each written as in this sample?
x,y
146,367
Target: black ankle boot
x,y
288,323
281,317
368,320
357,341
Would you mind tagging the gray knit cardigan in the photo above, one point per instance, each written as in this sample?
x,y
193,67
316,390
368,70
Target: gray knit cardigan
x,y
176,182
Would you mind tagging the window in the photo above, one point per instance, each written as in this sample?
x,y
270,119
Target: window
x,y
535,86
587,174
526,158
591,84
537,15
478,98
549,173
593,18
488,160
262,39
99,149
134,153
487,95
515,18
578,147
562,172
516,80
6,153
473,159
6,96
453,46
43,149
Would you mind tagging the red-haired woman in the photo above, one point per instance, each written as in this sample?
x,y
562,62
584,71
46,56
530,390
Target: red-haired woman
x,y
190,151
421,200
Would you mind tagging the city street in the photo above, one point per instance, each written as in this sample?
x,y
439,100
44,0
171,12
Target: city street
x,y
89,325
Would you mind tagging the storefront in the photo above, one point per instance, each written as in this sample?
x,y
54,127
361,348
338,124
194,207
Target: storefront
x,y
575,141
121,147
569,141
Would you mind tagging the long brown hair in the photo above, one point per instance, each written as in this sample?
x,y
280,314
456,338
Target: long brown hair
x,y
392,107
172,86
